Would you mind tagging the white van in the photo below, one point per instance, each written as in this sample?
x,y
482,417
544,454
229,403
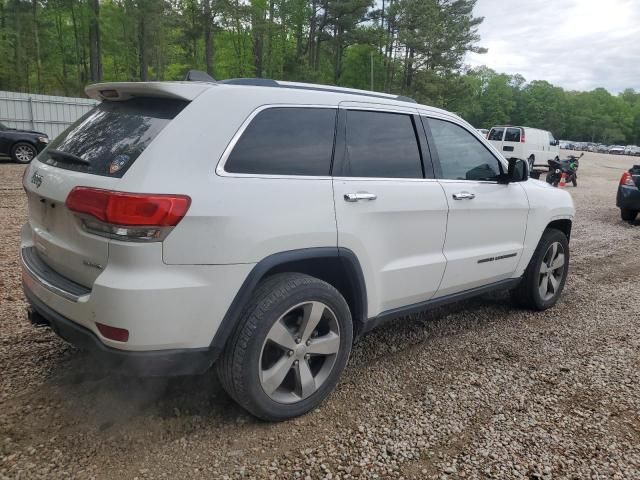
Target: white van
x,y
531,144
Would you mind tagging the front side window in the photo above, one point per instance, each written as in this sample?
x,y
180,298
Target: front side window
x,y
286,141
496,134
512,135
461,155
382,145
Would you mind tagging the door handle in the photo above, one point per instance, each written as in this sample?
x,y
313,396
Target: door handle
x,y
464,196
355,197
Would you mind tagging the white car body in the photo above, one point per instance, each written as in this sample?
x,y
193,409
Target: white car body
x,y
413,245
531,144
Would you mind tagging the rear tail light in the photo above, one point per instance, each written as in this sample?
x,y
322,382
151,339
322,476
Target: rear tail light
x,y
113,333
127,216
522,136
627,180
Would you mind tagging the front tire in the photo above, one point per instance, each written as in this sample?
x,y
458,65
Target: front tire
x,y
546,275
23,152
628,215
289,349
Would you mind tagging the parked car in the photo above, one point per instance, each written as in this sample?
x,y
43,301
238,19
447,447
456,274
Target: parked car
x,y
303,216
602,148
531,144
21,145
628,198
616,150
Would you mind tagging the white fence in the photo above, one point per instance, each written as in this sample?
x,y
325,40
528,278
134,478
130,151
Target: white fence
x,y
43,113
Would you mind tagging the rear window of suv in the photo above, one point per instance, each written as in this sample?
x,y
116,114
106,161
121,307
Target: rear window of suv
x,y
112,136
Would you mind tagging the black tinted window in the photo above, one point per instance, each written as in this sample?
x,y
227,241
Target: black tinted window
x,y
112,136
381,145
496,134
286,141
461,155
512,135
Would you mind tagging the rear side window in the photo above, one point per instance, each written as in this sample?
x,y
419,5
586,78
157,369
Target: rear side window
x,y
512,135
461,155
112,136
382,145
286,141
496,134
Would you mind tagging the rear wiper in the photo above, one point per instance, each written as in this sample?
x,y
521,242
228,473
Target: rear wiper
x,y
61,156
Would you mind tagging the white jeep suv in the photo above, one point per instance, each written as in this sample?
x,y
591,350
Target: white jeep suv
x,y
261,226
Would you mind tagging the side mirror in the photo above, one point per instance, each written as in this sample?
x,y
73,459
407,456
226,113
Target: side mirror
x,y
518,171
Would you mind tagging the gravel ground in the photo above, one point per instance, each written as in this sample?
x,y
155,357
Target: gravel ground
x,y
477,390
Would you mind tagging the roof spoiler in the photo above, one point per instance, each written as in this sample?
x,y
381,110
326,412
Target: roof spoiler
x,y
119,91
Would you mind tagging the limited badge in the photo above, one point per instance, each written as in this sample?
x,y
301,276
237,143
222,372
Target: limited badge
x,y
117,163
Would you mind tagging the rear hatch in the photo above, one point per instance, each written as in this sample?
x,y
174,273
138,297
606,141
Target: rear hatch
x,y
96,151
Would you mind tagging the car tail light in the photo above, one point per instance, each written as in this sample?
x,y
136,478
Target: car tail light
x,y
113,333
522,135
127,216
627,180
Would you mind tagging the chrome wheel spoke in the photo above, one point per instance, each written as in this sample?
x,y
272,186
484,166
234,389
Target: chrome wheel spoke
x,y
312,316
305,383
328,344
558,262
274,376
281,336
554,283
544,286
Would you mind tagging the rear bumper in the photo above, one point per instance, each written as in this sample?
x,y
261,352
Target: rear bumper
x,y
628,197
147,363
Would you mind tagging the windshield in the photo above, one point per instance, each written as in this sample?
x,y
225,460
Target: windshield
x,y
113,135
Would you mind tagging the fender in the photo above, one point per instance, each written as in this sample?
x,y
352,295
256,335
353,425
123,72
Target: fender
x,y
355,279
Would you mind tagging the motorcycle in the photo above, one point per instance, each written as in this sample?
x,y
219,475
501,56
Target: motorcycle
x,y
568,166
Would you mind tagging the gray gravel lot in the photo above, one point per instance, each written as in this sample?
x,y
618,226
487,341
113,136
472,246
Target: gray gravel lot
x,y
477,390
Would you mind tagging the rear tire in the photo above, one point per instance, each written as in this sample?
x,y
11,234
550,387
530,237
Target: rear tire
x,y
546,274
628,215
280,362
23,152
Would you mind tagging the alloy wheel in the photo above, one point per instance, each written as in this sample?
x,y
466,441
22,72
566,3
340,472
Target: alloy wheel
x,y
24,153
551,271
299,352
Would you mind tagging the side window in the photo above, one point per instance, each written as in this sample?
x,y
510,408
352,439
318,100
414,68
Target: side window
x,y
286,141
496,134
380,144
512,135
461,155
552,141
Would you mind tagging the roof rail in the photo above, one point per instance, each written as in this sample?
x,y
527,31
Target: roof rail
x,y
267,82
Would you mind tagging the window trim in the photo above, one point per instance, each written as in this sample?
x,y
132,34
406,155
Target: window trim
x,y
436,158
220,168
341,141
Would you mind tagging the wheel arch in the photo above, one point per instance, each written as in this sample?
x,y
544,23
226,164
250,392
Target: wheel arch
x,y
562,224
337,266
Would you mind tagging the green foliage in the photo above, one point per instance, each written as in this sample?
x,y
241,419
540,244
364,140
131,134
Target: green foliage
x,y
410,47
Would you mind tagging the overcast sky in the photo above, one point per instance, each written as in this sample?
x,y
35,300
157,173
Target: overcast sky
x,y
575,44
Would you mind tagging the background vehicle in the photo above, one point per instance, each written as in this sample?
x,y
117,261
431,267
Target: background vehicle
x,y
303,216
21,145
484,132
616,150
628,198
531,144
568,167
